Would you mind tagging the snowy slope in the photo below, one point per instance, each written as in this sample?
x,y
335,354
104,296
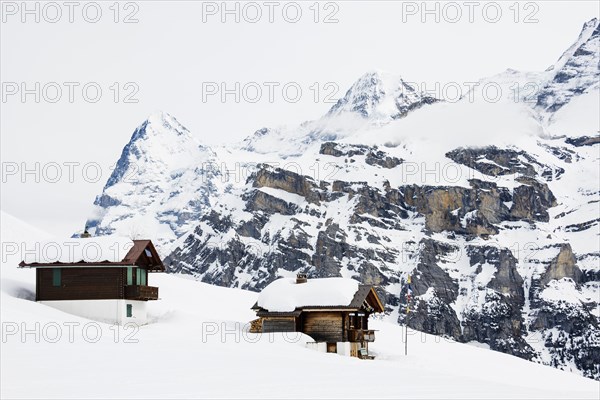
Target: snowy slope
x,y
170,357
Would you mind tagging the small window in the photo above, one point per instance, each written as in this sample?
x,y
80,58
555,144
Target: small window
x,y
332,347
129,310
129,276
56,277
148,253
140,277
352,321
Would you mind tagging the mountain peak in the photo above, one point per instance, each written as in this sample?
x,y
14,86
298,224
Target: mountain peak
x,y
162,171
589,31
159,138
576,70
159,117
592,24
159,123
382,96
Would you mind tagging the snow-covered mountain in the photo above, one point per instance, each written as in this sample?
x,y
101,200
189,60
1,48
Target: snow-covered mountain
x,y
491,207
375,99
381,97
160,185
575,72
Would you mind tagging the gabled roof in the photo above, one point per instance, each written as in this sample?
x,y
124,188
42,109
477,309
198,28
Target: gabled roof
x,y
105,251
287,296
138,250
367,293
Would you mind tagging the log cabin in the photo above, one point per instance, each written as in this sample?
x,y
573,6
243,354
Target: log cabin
x,y
334,312
100,278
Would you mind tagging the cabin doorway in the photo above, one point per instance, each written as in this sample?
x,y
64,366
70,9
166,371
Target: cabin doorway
x,y
332,347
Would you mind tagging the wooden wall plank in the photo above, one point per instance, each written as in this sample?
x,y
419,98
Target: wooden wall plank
x,y
81,284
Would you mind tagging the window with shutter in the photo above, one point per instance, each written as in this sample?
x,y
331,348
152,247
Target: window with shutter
x,y
56,276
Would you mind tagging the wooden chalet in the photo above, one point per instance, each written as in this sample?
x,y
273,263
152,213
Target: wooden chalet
x,y
337,322
107,286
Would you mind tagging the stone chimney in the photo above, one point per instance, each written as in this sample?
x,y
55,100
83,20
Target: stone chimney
x,y
301,278
85,233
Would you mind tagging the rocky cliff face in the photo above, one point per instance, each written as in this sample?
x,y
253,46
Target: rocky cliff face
x,y
500,236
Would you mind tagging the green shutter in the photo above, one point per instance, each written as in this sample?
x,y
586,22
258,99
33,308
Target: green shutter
x,y
138,276
144,274
129,276
56,276
129,310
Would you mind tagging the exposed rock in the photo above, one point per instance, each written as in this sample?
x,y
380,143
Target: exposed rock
x,y
571,334
562,266
562,153
435,317
583,141
496,162
582,226
261,201
461,210
531,201
338,150
506,280
330,249
252,228
373,156
499,324
386,208
289,181
429,275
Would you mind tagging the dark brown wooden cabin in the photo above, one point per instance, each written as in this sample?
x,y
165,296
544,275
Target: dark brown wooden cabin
x,y
330,324
126,279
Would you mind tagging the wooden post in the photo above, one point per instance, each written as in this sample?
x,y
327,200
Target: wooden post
x,y
408,297
406,338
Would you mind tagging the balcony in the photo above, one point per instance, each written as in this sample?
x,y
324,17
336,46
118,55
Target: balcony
x,y
361,335
139,292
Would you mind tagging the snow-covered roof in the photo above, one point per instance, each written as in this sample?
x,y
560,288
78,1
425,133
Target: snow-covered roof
x,y
285,295
101,249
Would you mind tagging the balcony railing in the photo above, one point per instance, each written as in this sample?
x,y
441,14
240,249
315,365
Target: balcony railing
x,y
361,335
139,292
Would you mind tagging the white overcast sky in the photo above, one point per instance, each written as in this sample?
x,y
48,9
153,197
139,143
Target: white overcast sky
x,y
170,52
